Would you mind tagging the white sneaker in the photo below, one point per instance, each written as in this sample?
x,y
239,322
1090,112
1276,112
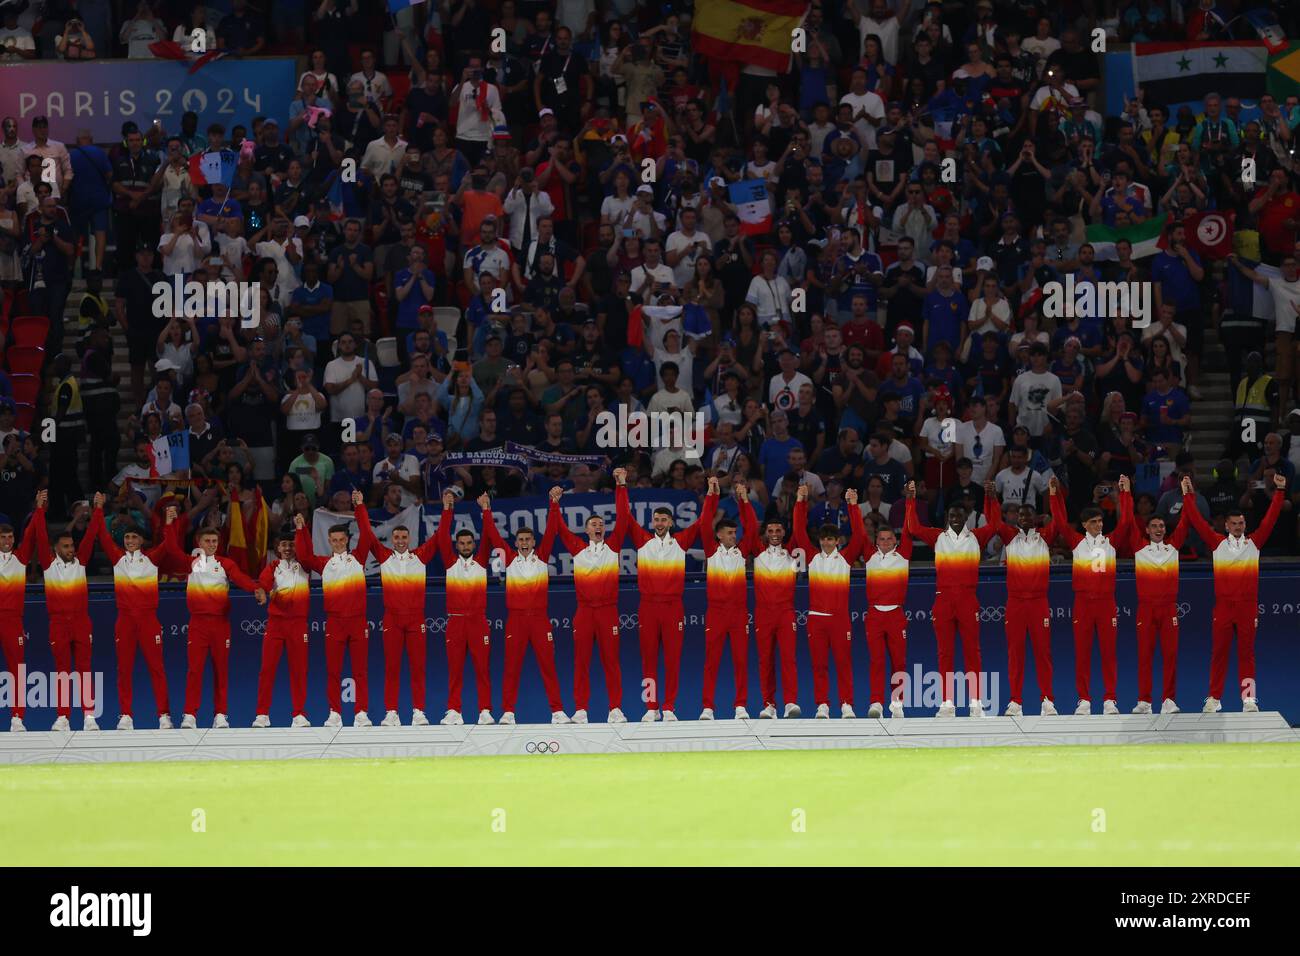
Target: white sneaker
x,y
1143,707
823,712
390,720
165,722
362,719
220,722
508,717
1109,707
1250,706
62,726
261,720
484,717
560,717
1168,707
418,719
616,717
742,713
875,711
650,716
947,709
16,725
125,722
335,719
189,723
896,709
767,713
792,711
1083,708
300,721
1212,706
976,709
451,718
846,712
579,716
1047,708
668,716
90,723
1014,710
706,713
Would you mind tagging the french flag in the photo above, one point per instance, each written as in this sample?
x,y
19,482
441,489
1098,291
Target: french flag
x,y
207,169
169,453
752,206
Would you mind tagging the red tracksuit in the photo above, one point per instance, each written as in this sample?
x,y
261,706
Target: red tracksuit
x,y
467,626
135,585
886,620
1236,594
343,581
956,605
13,595
1029,562
68,602
775,570
1094,597
727,614
207,595
830,632
595,579
528,614
1155,566
660,578
288,587
404,580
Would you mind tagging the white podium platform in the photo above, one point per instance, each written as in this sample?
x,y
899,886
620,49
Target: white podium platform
x,y
282,743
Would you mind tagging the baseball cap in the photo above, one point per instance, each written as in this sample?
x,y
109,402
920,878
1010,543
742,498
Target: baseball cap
x,y
425,309
165,365
310,441
618,138
301,222
392,437
984,264
646,188
545,111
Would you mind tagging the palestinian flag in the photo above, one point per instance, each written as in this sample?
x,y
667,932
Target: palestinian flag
x,y
1175,73
1147,238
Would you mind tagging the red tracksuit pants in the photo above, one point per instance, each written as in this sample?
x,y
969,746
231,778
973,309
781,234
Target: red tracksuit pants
x,y
207,634
774,631
1157,621
70,642
720,625
958,610
1035,616
524,628
140,630
466,634
1097,613
660,621
11,643
887,632
350,635
599,626
830,635
404,632
1243,616
289,637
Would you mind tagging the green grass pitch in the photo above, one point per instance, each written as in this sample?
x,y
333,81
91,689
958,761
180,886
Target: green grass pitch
x,y
1224,804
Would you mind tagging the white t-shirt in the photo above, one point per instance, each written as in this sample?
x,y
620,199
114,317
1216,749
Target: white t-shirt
x,y
229,256
991,443
407,467
615,210
1015,489
1030,394
933,432
641,223
12,40
302,415
874,107
148,491
351,402
661,273
1286,296
684,361
770,299
786,392
699,243
188,252
886,30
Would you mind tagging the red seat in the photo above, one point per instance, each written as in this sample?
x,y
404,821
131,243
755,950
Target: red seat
x,y
25,359
26,331
27,388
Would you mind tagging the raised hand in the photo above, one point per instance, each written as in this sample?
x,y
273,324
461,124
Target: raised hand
x,y
42,498
714,486
556,492
171,514
1053,485
449,500
909,490
802,493
1279,481
298,522
357,499
620,476
990,487
851,496
1187,484
484,501
740,490
99,500
1123,483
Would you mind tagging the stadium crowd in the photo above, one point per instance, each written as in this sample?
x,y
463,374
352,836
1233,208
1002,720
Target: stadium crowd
x,y
539,235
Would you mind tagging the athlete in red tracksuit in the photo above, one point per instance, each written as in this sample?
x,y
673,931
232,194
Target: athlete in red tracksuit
x,y
1155,566
595,579
343,582
288,588
1027,550
661,616
404,578
957,552
135,585
1236,592
1094,596
727,589
830,629
887,573
68,602
207,594
467,624
13,596
776,565
528,613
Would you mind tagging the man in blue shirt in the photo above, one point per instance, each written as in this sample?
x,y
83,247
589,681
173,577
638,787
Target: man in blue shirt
x,y
312,302
1177,275
413,287
887,469
774,453
89,197
1165,413
944,311
353,476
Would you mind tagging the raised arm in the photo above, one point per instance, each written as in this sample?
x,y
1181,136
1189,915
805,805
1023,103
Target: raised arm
x,y
106,541
1260,534
799,529
624,510
572,542
484,553
553,521
1127,532
1193,514
1069,535
858,537
707,514
496,542
753,542
442,539
367,543
307,556
912,521
41,536
86,549
622,515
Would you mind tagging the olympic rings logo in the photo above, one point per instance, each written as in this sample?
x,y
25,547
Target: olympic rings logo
x,y
253,626
435,625
992,613
542,747
801,618
1184,609
627,620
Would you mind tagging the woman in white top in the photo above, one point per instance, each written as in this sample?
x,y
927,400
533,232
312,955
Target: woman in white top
x,y
769,293
182,247
672,351
1029,334
173,180
286,249
615,207
989,313
230,252
183,35
141,30
327,84
175,348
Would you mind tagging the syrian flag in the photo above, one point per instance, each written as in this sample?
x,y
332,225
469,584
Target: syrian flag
x,y
1175,73
213,167
169,454
1209,233
1147,238
752,206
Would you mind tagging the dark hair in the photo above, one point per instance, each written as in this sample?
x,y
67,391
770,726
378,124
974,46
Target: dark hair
x,y
464,533
340,529
827,531
1087,514
725,523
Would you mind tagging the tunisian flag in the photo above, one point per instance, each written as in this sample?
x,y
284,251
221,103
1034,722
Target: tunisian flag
x,y
1209,233
747,31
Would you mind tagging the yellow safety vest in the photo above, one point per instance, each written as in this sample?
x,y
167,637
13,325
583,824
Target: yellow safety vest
x,y
1252,400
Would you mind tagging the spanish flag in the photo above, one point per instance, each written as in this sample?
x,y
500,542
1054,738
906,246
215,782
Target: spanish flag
x,y
246,536
748,31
